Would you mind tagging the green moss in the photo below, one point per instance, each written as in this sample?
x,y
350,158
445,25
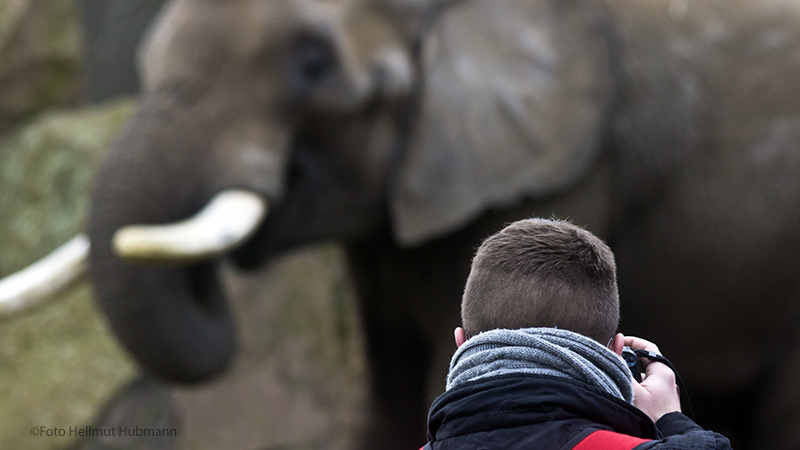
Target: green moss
x,y
45,174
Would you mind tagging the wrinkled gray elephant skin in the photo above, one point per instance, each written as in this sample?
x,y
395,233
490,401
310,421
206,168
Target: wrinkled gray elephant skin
x,y
411,130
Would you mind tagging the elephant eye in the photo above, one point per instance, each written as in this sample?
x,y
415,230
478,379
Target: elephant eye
x,y
314,60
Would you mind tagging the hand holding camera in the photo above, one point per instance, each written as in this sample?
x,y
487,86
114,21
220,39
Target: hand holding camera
x,y
655,390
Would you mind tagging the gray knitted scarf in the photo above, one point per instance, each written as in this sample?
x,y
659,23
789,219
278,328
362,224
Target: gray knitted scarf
x,y
543,351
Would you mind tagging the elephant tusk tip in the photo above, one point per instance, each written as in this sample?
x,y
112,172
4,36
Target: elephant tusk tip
x,y
42,280
225,223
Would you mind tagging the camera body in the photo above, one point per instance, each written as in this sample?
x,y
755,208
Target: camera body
x,y
633,362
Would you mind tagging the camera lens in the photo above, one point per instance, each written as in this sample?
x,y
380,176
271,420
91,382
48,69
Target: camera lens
x,y
629,356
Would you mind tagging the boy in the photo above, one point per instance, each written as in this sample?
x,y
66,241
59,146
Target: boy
x,y
532,371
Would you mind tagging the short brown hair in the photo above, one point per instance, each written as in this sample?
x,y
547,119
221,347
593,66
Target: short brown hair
x,y
543,273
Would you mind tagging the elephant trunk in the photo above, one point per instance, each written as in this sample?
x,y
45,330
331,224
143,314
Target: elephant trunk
x,y
173,319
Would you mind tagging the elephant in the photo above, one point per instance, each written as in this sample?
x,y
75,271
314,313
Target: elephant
x,y
410,130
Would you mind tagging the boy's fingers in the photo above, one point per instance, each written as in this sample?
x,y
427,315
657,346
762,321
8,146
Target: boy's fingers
x,y
658,372
640,344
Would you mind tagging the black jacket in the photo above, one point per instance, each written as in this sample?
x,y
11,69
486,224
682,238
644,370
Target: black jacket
x,y
513,412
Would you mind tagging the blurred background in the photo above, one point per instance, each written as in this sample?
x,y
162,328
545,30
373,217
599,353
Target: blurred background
x,y
693,129
59,365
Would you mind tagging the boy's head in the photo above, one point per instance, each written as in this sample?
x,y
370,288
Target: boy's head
x,y
542,273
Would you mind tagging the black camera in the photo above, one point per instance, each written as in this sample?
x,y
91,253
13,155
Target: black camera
x,y
633,362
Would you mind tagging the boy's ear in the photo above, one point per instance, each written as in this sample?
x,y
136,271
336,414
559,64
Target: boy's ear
x,y
461,337
617,344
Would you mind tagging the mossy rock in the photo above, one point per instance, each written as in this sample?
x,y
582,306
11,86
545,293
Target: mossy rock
x,y
58,363
45,174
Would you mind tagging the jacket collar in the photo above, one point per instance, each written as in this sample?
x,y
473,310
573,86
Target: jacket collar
x,y
521,399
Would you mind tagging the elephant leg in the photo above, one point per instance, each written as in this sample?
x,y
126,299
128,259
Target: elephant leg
x,y
144,403
407,297
399,359
397,352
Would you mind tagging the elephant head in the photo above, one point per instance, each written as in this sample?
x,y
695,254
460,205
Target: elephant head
x,y
351,119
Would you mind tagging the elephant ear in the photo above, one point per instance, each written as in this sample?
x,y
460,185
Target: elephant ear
x,y
514,98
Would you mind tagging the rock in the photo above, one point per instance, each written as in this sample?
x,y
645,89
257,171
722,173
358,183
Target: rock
x,y
39,58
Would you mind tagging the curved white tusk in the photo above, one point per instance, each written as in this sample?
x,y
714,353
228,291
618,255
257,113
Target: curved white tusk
x,y
229,219
43,279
